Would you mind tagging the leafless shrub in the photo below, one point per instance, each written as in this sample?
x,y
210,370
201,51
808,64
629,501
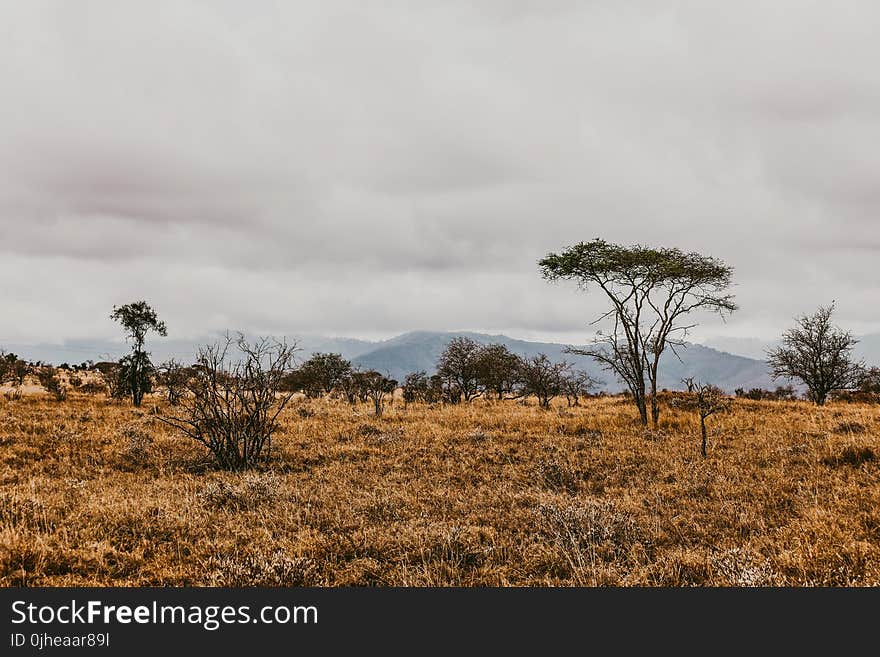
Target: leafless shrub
x,y
173,376
233,405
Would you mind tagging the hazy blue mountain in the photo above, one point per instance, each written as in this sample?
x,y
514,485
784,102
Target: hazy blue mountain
x,y
161,349
348,347
749,347
419,350
867,349
79,351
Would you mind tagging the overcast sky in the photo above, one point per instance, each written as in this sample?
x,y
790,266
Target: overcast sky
x,y
325,167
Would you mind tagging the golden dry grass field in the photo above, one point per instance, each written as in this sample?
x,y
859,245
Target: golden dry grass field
x,y
95,492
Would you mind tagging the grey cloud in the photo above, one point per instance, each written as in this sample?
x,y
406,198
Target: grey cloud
x,y
366,169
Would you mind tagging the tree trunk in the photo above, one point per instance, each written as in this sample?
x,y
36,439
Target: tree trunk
x,y
703,431
643,408
655,405
136,393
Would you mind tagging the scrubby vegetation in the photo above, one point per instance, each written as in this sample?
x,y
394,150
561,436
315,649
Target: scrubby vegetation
x,y
96,492
496,470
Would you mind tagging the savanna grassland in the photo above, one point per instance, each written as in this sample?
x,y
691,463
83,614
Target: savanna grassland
x,y
96,492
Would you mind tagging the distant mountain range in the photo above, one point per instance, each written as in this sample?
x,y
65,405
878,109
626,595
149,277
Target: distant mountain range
x,y
419,350
868,348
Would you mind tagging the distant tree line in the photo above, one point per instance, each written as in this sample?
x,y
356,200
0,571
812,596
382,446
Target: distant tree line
x,y
466,370
329,373
231,403
781,393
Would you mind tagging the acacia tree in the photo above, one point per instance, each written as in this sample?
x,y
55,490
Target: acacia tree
x,y
544,379
458,367
438,391
496,369
349,386
415,387
819,354
322,373
378,387
651,292
576,383
137,318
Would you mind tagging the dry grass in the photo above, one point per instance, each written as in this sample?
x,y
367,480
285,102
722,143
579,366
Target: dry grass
x,y
98,493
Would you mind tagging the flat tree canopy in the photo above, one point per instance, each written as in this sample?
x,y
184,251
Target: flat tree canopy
x,y
651,290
